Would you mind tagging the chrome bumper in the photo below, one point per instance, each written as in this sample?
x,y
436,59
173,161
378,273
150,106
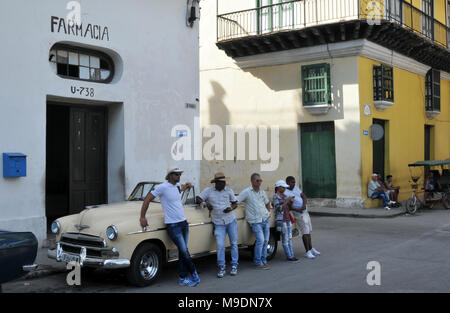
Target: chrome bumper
x,y
57,254
29,268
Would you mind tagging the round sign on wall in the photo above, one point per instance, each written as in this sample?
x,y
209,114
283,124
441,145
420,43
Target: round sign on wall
x,y
376,132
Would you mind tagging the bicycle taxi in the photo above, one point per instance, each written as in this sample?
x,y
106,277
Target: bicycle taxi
x,y
435,187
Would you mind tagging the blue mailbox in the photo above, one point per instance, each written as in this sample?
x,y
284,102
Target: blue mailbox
x,y
14,165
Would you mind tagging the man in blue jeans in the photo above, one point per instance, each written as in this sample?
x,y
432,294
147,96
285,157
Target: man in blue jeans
x,y
257,213
221,202
375,190
170,193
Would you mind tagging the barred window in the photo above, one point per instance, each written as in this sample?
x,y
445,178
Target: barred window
x,y
383,83
433,91
83,64
316,84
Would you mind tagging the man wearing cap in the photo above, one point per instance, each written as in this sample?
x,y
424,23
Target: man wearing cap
x,y
257,213
376,191
221,202
170,193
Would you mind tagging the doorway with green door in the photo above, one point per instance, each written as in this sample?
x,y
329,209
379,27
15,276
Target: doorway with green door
x,y
318,160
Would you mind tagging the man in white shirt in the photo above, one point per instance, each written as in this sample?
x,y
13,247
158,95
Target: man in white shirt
x,y
376,191
302,218
257,213
170,193
221,202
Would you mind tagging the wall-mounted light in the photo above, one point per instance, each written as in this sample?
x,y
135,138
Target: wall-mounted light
x,y
192,12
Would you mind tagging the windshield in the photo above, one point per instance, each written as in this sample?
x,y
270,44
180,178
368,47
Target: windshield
x,y
142,189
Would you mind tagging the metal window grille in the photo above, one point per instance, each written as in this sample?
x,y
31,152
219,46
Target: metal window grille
x,y
433,91
383,83
316,84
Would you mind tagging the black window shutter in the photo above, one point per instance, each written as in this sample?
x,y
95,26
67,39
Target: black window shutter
x,y
436,90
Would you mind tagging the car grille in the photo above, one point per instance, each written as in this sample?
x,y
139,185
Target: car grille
x,y
72,243
83,240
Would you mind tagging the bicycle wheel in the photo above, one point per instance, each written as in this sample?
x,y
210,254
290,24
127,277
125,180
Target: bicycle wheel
x,y
411,205
446,200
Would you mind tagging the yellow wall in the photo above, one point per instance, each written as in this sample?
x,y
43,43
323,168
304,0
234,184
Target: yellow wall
x,y
406,123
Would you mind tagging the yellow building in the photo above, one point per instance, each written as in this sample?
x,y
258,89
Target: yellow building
x,y
332,75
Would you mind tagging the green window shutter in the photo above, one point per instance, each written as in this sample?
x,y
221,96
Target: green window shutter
x,y
316,84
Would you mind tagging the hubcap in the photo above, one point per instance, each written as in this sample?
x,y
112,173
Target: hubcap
x,y
270,247
149,265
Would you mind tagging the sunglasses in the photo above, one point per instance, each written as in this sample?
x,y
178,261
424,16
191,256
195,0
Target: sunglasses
x,y
258,180
177,174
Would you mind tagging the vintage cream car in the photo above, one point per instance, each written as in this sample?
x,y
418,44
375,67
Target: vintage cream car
x,y
110,236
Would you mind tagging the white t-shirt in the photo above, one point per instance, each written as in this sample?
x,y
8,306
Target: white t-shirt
x,y
297,194
170,196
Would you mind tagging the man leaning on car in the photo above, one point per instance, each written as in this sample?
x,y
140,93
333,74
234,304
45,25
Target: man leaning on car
x,y
257,213
221,202
170,193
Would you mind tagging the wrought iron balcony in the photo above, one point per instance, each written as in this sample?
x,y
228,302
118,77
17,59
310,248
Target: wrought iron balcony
x,y
300,23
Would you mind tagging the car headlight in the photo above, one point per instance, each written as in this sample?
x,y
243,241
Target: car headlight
x,y
111,232
56,226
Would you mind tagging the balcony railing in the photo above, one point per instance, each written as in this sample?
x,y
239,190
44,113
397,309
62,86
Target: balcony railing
x,y
295,14
405,14
300,14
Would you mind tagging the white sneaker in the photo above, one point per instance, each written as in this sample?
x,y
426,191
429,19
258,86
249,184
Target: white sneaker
x,y
391,202
309,255
315,252
387,208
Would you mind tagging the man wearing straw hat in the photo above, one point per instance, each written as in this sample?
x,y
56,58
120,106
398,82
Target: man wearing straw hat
x,y
170,193
221,202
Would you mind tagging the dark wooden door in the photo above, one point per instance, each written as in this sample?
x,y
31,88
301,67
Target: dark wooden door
x,y
379,151
318,160
87,158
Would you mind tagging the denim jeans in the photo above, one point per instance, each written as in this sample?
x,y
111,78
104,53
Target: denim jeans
x,y
179,233
382,195
262,233
286,239
221,232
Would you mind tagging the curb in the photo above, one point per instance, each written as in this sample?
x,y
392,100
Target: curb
x,y
355,215
43,271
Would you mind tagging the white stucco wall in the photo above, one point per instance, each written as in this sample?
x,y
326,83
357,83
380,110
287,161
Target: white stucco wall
x,y
157,74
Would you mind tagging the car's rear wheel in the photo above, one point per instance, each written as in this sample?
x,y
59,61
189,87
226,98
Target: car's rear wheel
x,y
271,247
145,265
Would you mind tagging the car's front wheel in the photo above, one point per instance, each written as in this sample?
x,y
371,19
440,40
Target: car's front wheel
x,y
145,265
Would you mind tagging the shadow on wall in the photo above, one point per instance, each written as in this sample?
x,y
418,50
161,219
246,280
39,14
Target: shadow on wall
x,y
289,78
290,162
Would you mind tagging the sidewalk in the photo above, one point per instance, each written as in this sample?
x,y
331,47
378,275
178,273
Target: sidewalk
x,y
358,213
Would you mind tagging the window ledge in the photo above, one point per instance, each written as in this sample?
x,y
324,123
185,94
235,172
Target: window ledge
x,y
382,104
318,109
432,114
